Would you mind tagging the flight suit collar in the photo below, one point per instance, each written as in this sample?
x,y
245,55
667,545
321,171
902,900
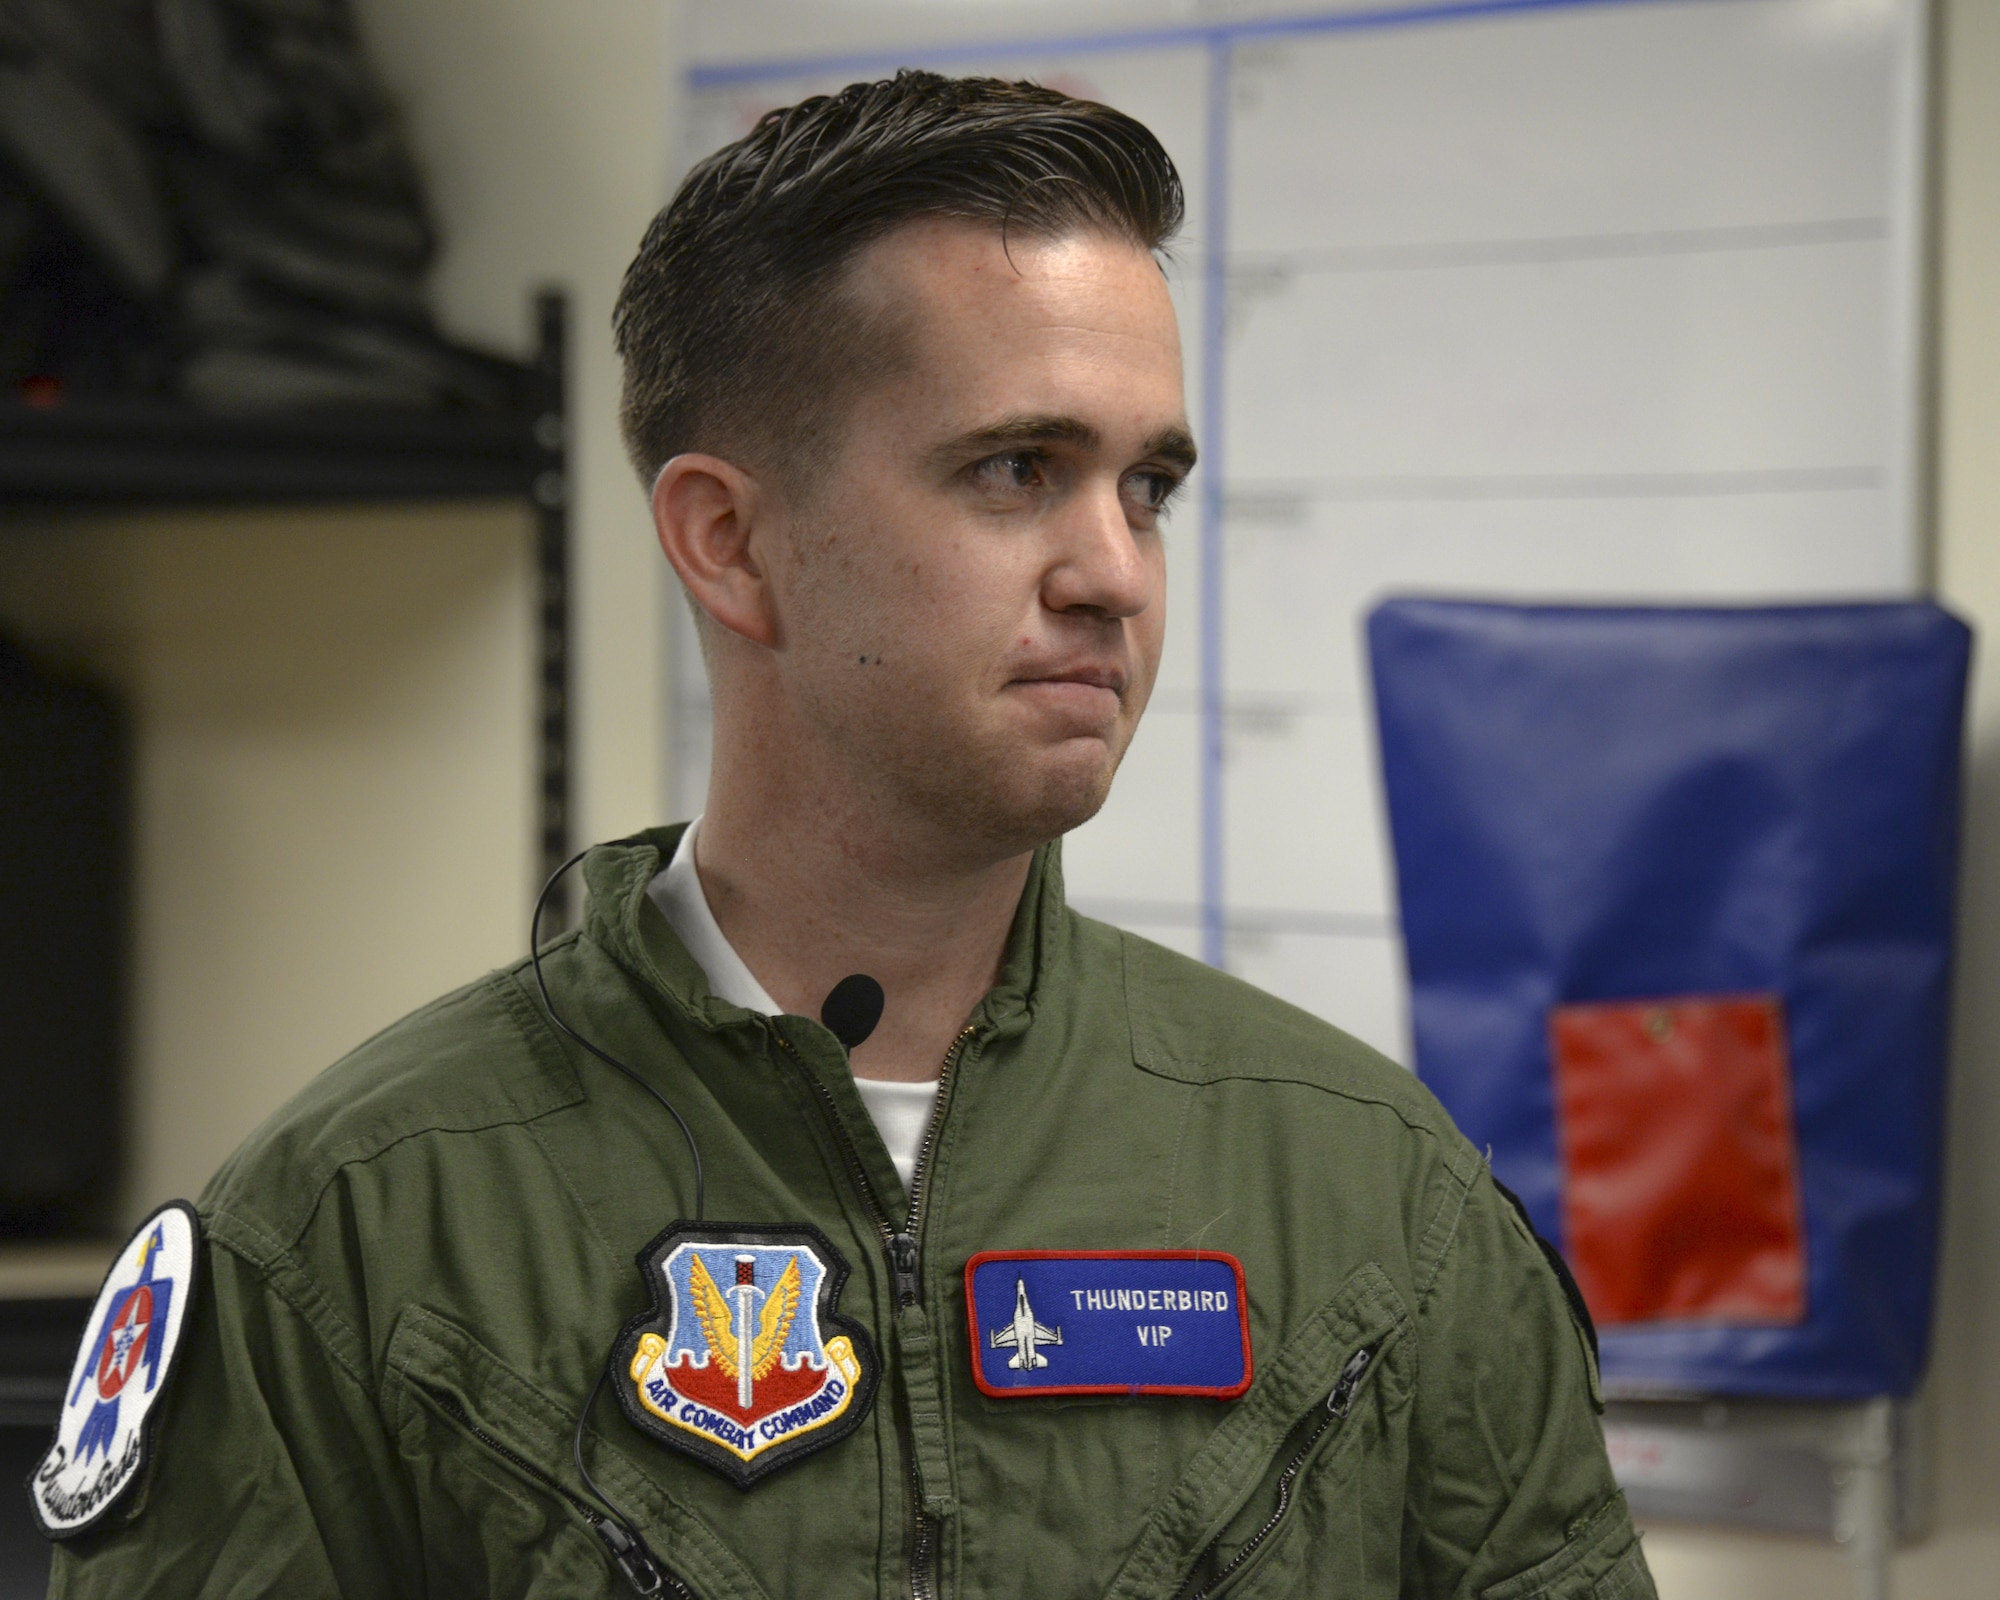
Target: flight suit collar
x,y
620,916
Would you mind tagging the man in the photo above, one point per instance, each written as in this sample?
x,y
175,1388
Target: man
x,y
1085,1270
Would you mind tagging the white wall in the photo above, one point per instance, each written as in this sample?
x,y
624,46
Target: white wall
x,y
334,782
543,133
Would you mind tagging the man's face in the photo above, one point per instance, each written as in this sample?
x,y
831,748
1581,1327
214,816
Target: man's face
x,y
971,600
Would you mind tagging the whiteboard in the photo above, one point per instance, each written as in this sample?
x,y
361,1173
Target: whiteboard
x,y
1545,299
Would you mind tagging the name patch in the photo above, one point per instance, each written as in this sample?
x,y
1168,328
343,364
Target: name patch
x,y
120,1373
1108,1322
743,1363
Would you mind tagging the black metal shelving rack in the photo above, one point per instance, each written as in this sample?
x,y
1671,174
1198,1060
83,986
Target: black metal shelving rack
x,y
134,452
97,453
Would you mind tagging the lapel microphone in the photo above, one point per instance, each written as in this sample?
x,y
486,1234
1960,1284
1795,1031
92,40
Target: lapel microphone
x,y
852,1008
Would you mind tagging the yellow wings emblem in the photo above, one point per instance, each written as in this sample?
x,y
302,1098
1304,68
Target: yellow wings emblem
x,y
774,1322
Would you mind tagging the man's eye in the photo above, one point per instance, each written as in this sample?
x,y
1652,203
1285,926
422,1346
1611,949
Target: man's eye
x,y
1155,490
1016,469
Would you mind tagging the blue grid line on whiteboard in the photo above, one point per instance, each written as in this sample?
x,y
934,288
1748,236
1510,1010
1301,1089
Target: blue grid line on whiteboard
x,y
1206,35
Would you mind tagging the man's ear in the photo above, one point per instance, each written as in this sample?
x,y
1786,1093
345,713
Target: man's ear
x,y
706,512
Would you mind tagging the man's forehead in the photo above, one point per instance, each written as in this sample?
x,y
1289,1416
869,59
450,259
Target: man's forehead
x,y
939,274
978,312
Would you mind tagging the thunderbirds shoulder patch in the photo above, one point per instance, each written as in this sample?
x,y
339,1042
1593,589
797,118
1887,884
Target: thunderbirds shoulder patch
x,y
1055,1322
121,1371
742,1363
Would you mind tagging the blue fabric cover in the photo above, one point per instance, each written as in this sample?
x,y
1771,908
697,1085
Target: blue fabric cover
x,y
1620,804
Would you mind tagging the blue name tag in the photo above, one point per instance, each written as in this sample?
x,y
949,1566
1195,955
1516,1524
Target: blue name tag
x,y
1108,1322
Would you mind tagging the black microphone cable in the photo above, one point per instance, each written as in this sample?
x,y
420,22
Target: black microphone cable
x,y
851,1012
620,1535
548,1005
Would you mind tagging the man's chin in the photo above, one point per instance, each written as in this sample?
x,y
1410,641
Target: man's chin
x,y
1035,803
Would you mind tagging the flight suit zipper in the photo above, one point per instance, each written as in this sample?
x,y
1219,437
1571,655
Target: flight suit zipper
x,y
902,1247
638,1568
1339,1402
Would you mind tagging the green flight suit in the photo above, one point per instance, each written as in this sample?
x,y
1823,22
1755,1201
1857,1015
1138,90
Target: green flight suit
x,y
416,1271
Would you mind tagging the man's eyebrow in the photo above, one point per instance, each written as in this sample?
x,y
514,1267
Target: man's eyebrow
x,y
1173,443
1013,432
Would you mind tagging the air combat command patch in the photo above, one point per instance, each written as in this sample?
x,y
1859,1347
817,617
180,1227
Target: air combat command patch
x,y
742,1363
121,1371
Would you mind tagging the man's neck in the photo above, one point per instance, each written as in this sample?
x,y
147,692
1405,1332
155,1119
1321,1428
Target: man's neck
x,y
807,896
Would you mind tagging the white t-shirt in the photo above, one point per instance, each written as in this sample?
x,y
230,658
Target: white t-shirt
x,y
901,1110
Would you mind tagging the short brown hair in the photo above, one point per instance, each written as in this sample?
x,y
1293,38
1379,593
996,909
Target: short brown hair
x,y
730,321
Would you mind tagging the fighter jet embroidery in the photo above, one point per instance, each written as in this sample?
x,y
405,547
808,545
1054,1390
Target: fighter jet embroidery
x,y
1024,1333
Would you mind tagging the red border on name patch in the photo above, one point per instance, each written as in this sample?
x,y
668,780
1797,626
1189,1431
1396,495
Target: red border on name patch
x,y
1198,1391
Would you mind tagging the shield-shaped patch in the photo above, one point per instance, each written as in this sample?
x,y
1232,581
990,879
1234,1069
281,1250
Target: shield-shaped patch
x,y
742,1363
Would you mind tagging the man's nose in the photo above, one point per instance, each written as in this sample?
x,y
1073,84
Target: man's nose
x,y
1100,563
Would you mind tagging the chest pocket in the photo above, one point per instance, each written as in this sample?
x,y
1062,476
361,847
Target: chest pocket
x,y
488,1454
1302,1485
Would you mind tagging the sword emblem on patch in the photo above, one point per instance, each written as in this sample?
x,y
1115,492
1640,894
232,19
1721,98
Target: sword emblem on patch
x,y
743,1363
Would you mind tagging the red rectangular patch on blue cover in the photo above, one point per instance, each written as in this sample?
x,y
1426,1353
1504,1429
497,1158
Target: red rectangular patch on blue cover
x,y
1049,1322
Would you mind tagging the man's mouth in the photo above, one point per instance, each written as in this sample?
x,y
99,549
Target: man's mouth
x,y
1083,675
1084,696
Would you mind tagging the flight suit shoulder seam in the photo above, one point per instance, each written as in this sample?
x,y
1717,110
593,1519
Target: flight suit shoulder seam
x,y
328,1161
281,1273
529,1017
373,1147
1442,1232
1203,1070
569,1187
1318,1064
